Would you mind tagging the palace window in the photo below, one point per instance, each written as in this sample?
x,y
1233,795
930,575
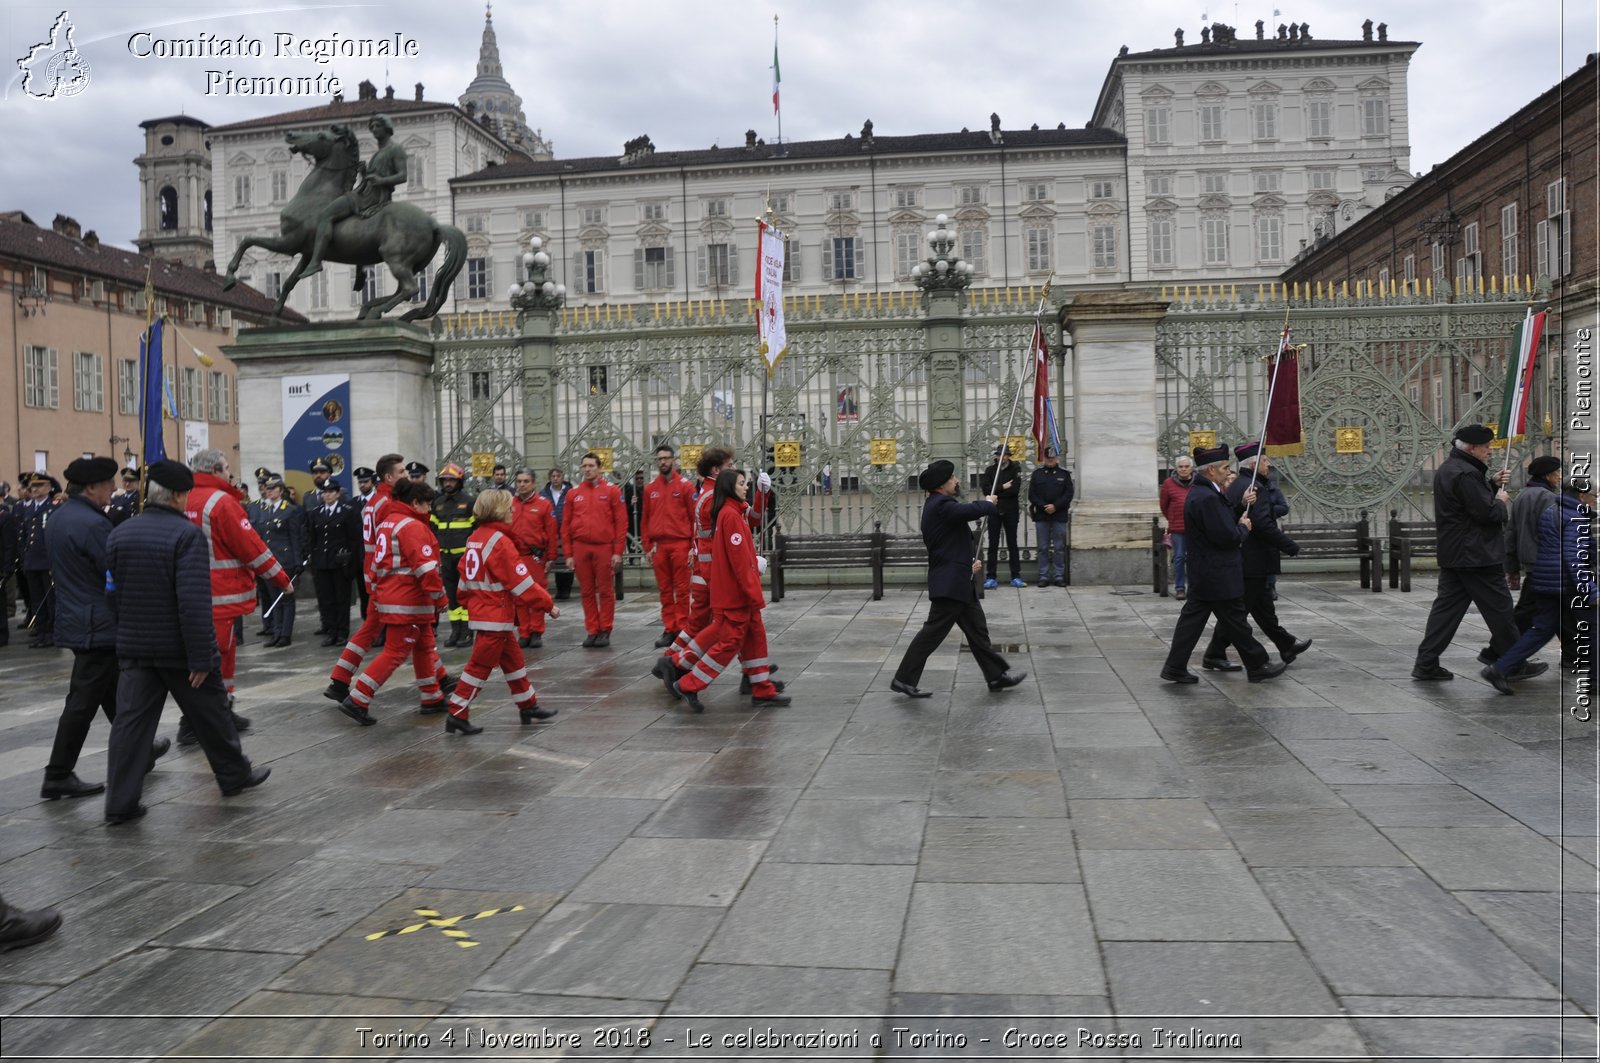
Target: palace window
x,y
127,386
1037,238
1161,251
1103,245
39,380
1157,125
88,388
1210,121
478,277
1508,240
221,397
1319,119
1214,235
846,259
652,268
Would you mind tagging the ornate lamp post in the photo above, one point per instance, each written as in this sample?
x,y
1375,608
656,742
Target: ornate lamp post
x,y
944,270
537,292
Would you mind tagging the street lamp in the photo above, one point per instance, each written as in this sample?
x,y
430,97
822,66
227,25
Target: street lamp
x,y
537,291
944,270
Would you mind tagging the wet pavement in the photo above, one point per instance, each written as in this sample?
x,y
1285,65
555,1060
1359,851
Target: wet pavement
x,y
1341,864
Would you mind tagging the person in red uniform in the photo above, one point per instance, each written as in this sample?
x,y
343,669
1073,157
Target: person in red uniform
x,y
391,470
533,526
595,534
407,596
496,584
736,601
666,531
238,559
685,649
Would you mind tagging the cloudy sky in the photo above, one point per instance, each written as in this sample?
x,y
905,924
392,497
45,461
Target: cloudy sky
x,y
692,73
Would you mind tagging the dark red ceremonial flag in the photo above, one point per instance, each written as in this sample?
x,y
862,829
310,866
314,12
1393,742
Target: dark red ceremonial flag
x,y
1285,437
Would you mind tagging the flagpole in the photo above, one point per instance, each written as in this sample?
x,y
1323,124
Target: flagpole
x,y
1527,325
1005,440
777,107
1272,387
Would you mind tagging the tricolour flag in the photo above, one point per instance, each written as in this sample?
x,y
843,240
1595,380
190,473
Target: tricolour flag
x,y
1284,435
1519,378
775,78
770,249
1044,416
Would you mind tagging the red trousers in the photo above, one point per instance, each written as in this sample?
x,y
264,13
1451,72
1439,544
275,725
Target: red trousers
x,y
355,651
592,564
530,621
402,641
223,626
689,647
733,633
491,650
671,562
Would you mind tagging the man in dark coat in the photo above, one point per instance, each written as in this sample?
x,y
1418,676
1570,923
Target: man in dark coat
x,y
1261,556
1050,494
1216,573
952,564
335,554
320,471
1001,480
1470,517
76,537
1522,531
158,571
282,527
10,521
366,484
555,492
36,560
125,503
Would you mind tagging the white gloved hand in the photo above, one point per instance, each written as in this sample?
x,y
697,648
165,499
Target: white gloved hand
x,y
761,565
763,482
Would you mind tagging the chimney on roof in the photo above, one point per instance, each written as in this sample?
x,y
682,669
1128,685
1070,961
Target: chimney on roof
x,y
749,139
367,90
67,227
388,92
418,96
338,97
1383,31
91,238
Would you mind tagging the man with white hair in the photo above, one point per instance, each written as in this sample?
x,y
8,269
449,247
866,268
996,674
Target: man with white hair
x,y
1216,577
1174,490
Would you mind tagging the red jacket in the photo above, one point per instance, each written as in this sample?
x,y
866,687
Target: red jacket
x,y
407,587
1173,494
371,514
494,580
238,556
735,579
700,559
594,514
668,511
533,526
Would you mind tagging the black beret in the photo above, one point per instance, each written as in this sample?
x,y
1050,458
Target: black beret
x,y
416,468
1001,449
936,475
365,473
173,475
1543,465
331,484
1211,455
1246,451
321,466
86,471
1475,435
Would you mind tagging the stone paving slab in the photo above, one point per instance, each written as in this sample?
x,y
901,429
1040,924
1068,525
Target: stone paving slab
x,y
1094,845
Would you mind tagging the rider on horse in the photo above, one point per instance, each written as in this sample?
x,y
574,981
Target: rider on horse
x,y
382,172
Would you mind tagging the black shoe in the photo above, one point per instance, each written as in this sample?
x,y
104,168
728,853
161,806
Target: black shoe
x,y
910,690
690,696
256,777
744,684
1271,671
434,708
1528,670
331,640
1184,676
1007,679
263,633
320,631
158,749
240,723
1219,664
1300,646
534,641
186,735
356,713
456,630
591,642
535,713
775,701
337,691
23,928
667,638
279,643
1434,672
1486,656
455,725
602,640
114,819
70,786
1497,679
669,675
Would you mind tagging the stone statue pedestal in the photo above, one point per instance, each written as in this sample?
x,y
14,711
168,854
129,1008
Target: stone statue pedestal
x,y
391,398
1114,410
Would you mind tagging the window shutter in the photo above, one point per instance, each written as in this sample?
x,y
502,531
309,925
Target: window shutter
x,y
579,281
1564,228
861,258
599,271
667,271
638,269
1541,239
792,260
52,367
700,269
733,265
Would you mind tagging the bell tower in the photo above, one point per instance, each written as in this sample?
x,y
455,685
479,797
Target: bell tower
x,y
175,191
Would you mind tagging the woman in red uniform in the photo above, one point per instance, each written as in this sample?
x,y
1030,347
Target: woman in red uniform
x,y
495,581
408,594
736,601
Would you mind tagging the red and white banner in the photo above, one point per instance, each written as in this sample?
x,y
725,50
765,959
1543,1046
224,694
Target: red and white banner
x,y
769,295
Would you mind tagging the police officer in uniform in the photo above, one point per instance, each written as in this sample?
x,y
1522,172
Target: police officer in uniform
x,y
335,559
283,528
452,523
10,521
320,471
36,561
366,484
417,471
125,502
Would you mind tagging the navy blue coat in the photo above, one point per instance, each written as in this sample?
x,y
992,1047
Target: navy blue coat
x,y
160,565
10,522
1266,542
336,536
1565,564
76,538
950,546
1212,537
282,526
1049,486
35,554
124,504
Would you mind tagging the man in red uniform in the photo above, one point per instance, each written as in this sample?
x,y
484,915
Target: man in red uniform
x,y
666,531
685,649
238,559
533,526
595,534
391,469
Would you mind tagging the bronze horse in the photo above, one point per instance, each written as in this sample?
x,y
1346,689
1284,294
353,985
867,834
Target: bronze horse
x,y
401,235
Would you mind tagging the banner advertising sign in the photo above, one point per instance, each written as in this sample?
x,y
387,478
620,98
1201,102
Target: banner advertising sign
x,y
316,424
196,437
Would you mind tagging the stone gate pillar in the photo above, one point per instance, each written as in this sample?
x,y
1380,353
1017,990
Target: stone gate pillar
x,y
946,424
538,344
1114,411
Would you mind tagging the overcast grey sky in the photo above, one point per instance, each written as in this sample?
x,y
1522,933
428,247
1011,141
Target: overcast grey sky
x,y
593,73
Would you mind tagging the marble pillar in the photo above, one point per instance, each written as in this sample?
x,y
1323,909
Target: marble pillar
x,y
538,397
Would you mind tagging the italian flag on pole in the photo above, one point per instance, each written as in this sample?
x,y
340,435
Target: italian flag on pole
x,y
1519,378
775,77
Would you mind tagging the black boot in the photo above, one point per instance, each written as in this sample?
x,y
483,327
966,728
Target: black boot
x,y
534,712
20,928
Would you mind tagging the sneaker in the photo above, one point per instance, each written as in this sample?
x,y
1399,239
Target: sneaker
x,y
1016,581
1497,679
990,584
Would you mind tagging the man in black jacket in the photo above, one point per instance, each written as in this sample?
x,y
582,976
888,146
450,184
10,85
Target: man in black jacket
x,y
335,554
1213,536
1001,481
283,528
36,559
125,503
158,571
76,538
1050,494
952,564
1470,517
1261,556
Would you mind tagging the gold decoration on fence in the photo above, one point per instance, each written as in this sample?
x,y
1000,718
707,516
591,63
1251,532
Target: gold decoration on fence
x,y
483,463
885,451
1201,439
1349,439
786,453
604,454
689,455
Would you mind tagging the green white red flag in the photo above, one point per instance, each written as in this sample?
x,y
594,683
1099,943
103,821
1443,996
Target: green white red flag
x,y
775,78
1519,378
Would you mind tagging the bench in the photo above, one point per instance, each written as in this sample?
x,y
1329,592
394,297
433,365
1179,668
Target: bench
x,y
1344,539
894,551
1409,539
825,551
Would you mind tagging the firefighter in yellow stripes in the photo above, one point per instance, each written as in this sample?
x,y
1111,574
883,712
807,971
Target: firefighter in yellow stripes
x,y
453,522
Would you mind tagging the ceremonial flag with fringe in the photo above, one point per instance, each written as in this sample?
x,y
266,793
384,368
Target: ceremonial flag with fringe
x,y
1519,378
152,392
769,295
1044,417
1284,436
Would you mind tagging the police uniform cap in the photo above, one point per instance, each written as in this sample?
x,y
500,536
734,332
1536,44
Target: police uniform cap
x,y
936,475
55,485
321,466
86,471
416,468
130,474
1543,465
1246,451
272,481
365,473
24,479
1475,435
262,472
1210,455
173,475
331,484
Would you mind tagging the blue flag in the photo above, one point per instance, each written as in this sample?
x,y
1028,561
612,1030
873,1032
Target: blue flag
x,y
151,394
